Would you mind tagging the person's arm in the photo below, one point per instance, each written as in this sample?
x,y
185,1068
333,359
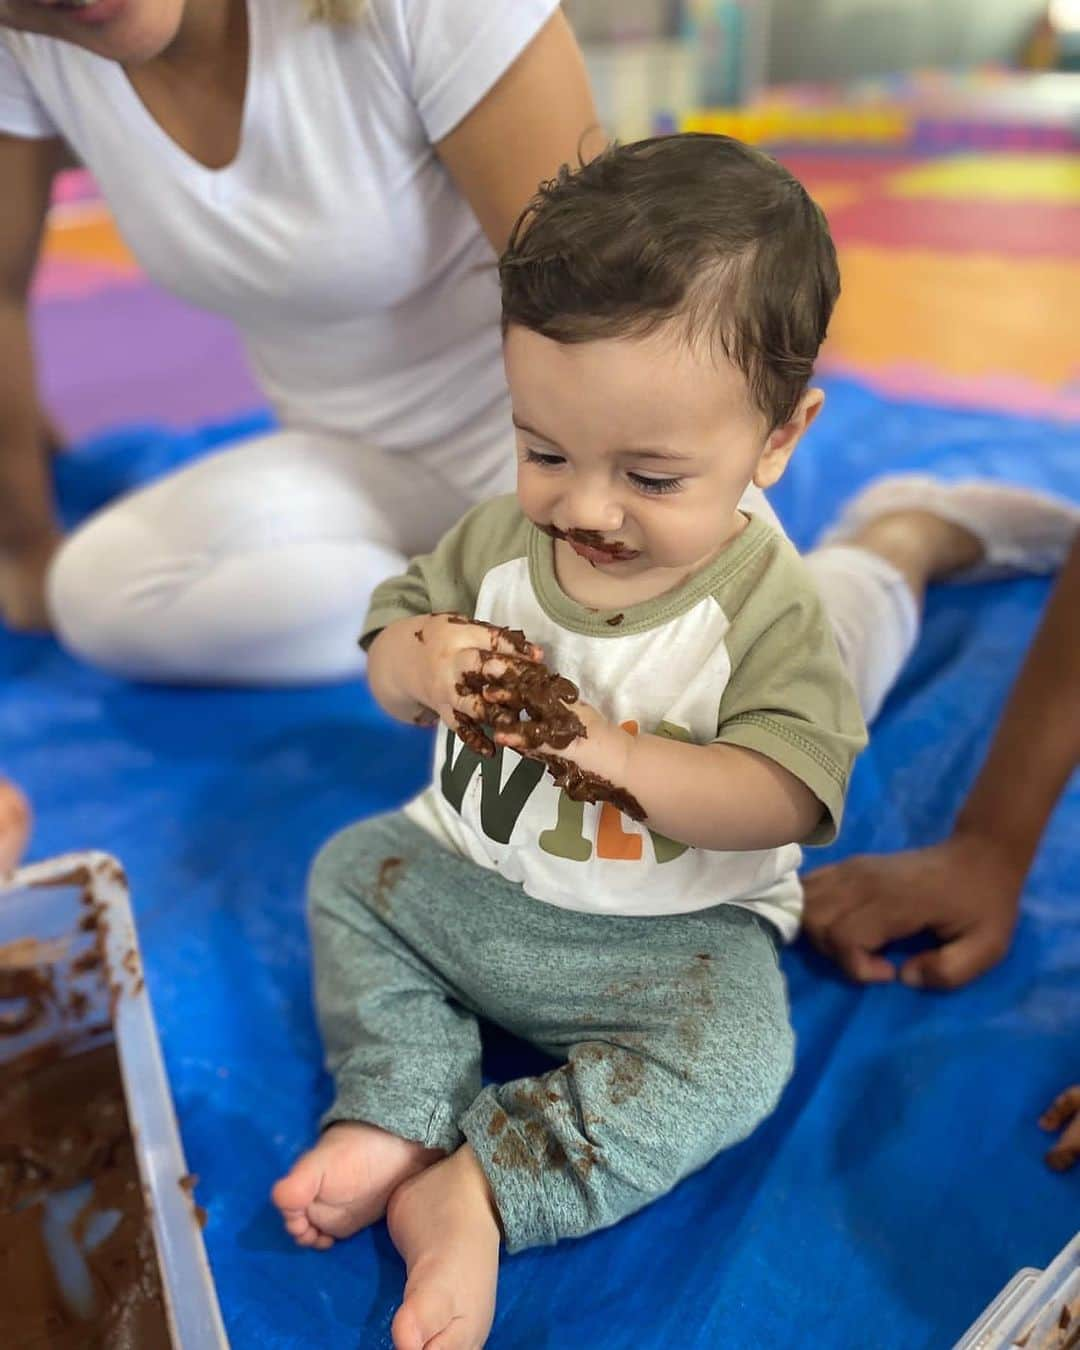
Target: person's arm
x,y
28,532
415,666
966,890
537,117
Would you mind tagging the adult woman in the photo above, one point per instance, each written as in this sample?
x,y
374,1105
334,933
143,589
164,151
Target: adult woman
x,y
328,185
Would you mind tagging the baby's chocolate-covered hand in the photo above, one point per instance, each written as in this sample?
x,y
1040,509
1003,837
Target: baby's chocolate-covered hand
x,y
584,752
523,700
454,659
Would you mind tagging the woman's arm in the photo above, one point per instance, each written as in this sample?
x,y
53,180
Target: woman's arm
x,y
966,890
28,534
537,117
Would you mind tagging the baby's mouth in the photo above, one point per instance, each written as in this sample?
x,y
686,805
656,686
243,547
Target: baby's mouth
x,y
592,545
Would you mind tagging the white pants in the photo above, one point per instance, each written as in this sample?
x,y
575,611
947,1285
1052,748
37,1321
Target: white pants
x,y
255,565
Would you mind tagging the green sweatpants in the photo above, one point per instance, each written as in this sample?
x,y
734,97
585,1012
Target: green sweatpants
x,y
673,1032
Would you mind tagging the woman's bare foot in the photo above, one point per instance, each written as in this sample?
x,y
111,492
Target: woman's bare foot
x,y
444,1224
345,1181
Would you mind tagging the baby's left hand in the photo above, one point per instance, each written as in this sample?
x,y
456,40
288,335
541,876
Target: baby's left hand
x,y
604,748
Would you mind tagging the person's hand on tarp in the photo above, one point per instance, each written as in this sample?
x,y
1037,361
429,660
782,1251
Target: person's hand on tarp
x,y
965,892
1063,1114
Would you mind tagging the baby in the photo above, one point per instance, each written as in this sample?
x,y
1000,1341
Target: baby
x,y
662,309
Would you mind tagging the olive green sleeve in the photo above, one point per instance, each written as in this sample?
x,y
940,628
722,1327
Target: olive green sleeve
x,y
449,578
789,697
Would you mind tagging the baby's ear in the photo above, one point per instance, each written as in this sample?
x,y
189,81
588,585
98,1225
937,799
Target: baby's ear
x,y
782,441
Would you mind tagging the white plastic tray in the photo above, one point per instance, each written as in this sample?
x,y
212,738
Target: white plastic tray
x,y
46,902
1028,1310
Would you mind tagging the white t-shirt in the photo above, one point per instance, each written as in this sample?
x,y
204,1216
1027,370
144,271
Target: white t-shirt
x,y
336,240
742,653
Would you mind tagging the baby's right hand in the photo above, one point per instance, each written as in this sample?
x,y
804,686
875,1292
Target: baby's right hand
x,y
451,647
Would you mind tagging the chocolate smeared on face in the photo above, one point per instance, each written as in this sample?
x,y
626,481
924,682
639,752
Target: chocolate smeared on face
x,y
591,539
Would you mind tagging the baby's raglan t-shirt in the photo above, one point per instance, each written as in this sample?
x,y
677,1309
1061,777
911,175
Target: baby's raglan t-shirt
x,y
741,654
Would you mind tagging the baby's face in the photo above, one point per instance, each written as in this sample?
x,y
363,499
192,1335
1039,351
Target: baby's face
x,y
644,443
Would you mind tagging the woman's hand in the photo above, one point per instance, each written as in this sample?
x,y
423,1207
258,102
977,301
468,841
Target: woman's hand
x,y
14,826
23,569
1064,1114
966,891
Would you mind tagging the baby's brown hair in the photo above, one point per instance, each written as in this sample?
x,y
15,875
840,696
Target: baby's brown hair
x,y
702,230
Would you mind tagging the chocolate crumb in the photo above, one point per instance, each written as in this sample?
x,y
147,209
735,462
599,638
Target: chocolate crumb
x,y
389,872
555,1154
188,1181
89,960
615,620
419,634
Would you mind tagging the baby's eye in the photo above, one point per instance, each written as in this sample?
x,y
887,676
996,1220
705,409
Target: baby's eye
x,y
540,457
655,485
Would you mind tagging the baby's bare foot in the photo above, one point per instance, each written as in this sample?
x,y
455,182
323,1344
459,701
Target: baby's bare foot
x,y
344,1182
444,1225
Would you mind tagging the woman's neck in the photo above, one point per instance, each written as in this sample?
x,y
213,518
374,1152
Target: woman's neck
x,y
212,36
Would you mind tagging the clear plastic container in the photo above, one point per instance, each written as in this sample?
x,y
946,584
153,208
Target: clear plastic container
x,y
1037,1310
45,906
